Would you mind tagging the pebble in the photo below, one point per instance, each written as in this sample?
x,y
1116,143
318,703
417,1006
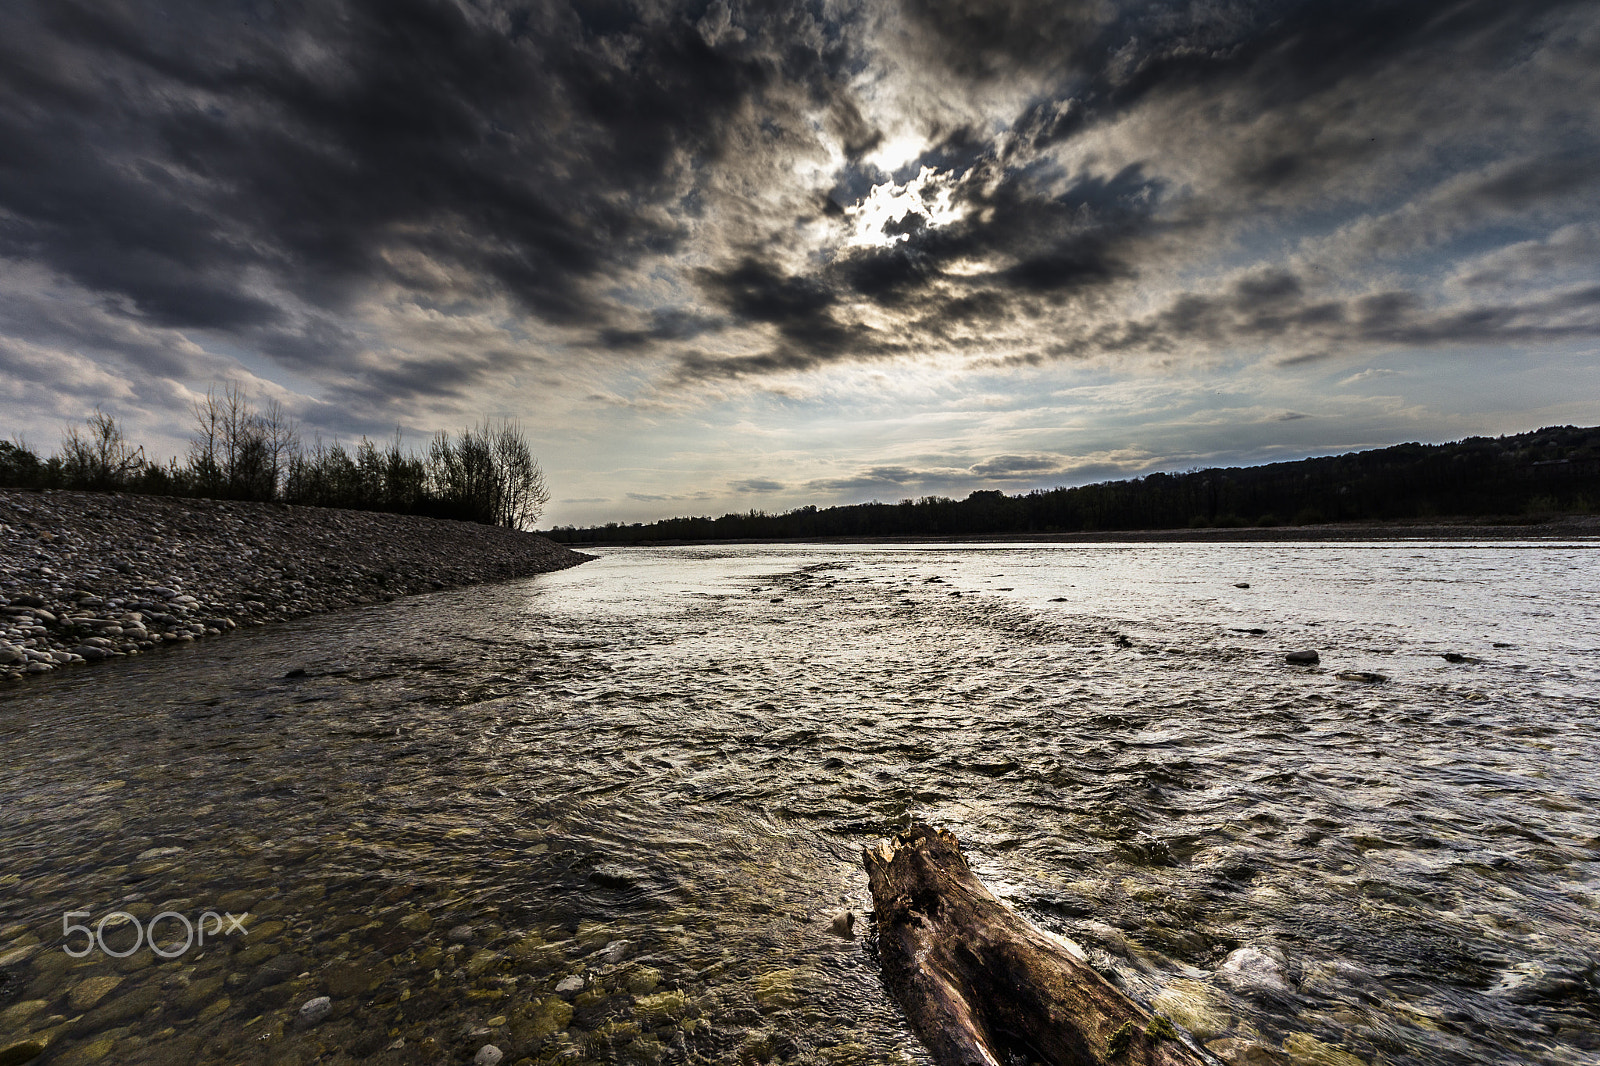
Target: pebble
x,y
1548,981
1241,1051
21,1051
1196,1006
1255,968
1306,1050
488,1055
88,577
568,985
313,1011
87,993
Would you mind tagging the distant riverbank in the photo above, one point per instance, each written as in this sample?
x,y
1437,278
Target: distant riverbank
x,y
1564,527
87,576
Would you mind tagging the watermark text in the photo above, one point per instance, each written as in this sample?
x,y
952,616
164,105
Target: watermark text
x,y
160,934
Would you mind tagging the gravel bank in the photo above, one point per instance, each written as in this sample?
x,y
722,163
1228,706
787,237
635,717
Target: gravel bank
x,y
86,576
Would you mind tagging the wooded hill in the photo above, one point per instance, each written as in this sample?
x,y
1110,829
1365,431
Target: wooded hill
x,y
1551,471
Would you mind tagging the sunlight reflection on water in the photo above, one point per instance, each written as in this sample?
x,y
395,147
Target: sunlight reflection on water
x,y
655,771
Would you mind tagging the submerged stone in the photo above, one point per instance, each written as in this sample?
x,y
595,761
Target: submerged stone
x,y
1196,1006
662,1007
21,1051
1251,968
313,1011
1306,1050
1240,1051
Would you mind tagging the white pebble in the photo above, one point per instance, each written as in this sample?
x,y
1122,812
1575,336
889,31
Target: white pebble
x,y
314,1010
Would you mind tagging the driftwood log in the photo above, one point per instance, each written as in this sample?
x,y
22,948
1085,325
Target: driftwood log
x,y
982,986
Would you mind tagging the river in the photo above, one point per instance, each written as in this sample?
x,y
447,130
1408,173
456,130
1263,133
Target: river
x,y
654,774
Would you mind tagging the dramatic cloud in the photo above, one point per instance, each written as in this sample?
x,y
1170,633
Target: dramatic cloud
x,y
634,223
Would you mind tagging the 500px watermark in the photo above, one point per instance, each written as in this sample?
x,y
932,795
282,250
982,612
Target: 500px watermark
x,y
194,933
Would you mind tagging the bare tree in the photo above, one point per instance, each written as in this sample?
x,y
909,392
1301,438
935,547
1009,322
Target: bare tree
x,y
488,474
205,448
239,452
282,437
101,458
523,492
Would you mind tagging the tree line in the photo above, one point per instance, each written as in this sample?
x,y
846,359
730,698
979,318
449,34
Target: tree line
x,y
1550,471
238,451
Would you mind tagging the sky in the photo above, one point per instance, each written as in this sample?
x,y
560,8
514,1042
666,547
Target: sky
x,y
727,256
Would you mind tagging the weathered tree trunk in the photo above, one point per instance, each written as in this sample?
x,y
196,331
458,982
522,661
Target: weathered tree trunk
x,y
979,983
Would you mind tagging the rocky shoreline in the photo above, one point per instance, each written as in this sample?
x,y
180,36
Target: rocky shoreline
x,y
91,576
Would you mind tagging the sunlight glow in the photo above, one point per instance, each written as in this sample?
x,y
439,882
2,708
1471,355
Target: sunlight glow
x,y
890,212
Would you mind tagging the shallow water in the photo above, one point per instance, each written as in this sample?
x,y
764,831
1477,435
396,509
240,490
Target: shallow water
x,y
656,771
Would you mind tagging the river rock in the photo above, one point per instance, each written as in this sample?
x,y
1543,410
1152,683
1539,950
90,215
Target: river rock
x,y
1364,676
1253,969
15,1015
1196,1006
1304,657
313,1011
15,1054
488,1055
1239,1051
569,985
482,961
125,1007
843,923
1546,981
1306,1050
610,875
87,993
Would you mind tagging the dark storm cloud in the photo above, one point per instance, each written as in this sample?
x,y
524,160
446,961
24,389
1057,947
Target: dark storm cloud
x,y
757,484
280,174
877,478
1311,329
804,312
1299,102
668,324
1009,465
210,164
1058,245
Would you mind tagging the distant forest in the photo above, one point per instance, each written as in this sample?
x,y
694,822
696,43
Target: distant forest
x,y
1551,471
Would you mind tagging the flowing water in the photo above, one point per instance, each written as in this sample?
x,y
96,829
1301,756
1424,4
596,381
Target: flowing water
x,y
606,815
